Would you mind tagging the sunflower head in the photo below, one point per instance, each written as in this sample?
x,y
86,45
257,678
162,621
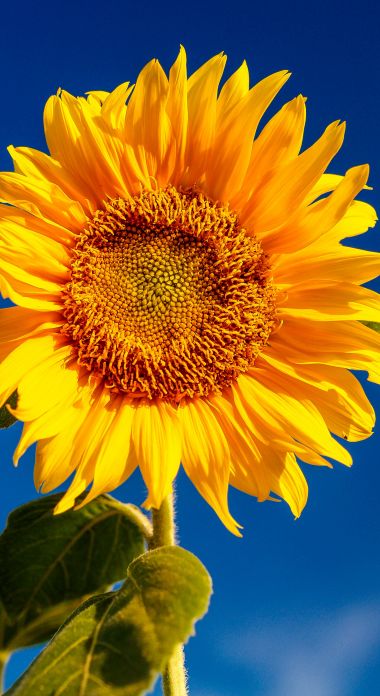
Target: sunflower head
x,y
182,291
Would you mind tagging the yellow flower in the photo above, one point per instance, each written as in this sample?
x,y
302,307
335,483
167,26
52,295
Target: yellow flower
x,y
183,295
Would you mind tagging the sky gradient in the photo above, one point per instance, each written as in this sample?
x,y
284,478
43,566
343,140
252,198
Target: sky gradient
x,y
296,605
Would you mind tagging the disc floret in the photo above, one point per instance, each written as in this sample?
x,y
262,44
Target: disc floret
x,y
169,296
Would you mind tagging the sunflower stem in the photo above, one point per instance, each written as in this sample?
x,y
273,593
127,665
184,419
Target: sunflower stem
x,y
174,677
164,534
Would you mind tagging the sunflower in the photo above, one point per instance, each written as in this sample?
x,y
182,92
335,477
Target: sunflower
x,y
182,292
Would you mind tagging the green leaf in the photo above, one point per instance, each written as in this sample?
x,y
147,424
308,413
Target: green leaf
x,y
117,643
6,418
33,630
372,325
50,563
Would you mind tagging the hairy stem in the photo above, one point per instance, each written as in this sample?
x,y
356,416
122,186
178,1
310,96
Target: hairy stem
x,y
174,677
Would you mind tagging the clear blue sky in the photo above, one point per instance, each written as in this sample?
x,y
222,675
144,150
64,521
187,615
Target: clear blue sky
x,y
296,609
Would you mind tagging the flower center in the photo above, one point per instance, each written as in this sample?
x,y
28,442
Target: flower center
x,y
169,297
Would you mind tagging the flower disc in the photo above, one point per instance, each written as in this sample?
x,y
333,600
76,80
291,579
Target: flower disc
x,y
169,296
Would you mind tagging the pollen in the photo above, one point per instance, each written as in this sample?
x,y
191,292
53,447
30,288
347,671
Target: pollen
x,y
169,296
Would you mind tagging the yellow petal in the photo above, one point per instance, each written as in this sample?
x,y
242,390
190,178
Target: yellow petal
x,y
279,141
32,352
202,95
18,324
287,189
178,112
336,393
206,458
13,218
63,139
36,281
47,384
38,165
233,90
101,150
99,94
233,142
35,253
248,470
85,447
260,397
47,425
157,443
114,106
54,462
325,301
346,344
86,150
43,199
287,480
337,264
312,223
147,125
115,462
326,183
358,218
27,295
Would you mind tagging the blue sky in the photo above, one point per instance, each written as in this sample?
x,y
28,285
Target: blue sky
x,y
296,605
